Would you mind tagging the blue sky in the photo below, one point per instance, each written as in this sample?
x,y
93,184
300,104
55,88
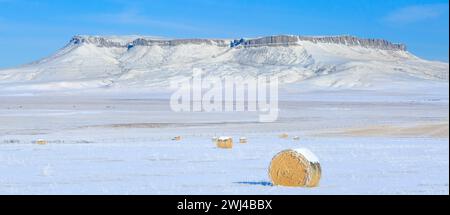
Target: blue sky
x,y
32,29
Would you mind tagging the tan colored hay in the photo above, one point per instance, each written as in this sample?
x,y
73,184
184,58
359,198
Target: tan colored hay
x,y
243,140
177,138
41,142
295,168
224,142
283,136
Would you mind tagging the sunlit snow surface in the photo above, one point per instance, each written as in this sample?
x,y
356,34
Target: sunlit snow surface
x,y
122,144
195,166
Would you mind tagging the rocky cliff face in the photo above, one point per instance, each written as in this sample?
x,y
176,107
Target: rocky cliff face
x,y
150,42
281,40
343,40
354,41
98,41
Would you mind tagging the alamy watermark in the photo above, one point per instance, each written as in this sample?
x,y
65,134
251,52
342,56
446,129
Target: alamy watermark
x,y
228,94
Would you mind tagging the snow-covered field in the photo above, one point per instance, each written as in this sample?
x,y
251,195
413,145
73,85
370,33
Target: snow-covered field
x,y
374,114
121,144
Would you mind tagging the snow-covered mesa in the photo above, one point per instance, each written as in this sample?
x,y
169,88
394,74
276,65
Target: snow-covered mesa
x,y
89,62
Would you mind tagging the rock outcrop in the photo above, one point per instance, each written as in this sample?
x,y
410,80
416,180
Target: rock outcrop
x,y
281,40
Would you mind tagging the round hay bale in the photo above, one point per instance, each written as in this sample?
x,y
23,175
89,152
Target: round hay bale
x,y
41,142
283,136
243,140
177,138
224,142
295,168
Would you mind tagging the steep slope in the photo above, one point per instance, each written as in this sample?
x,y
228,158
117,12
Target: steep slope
x,y
146,62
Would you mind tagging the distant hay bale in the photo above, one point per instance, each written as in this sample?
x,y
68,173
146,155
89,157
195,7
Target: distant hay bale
x,y
224,142
283,136
177,138
11,141
243,140
296,138
295,168
41,142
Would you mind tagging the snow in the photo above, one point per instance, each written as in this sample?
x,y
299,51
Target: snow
x,y
324,65
310,156
224,138
146,165
114,144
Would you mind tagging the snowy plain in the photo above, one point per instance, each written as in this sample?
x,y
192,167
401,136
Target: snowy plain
x,y
116,145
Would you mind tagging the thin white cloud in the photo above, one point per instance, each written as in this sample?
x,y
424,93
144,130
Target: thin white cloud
x,y
416,13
